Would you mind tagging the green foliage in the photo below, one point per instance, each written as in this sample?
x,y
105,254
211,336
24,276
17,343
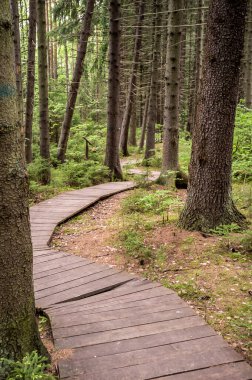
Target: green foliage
x,y
145,202
242,150
226,229
133,243
32,367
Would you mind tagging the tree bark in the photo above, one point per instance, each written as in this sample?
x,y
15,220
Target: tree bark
x,y
152,109
18,64
248,71
133,126
18,328
170,160
112,159
209,201
144,121
30,79
78,70
45,175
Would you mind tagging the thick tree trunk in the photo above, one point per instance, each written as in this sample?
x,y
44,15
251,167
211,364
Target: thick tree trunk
x,y
209,201
43,93
18,328
18,64
30,80
170,161
112,159
78,70
248,67
152,109
132,82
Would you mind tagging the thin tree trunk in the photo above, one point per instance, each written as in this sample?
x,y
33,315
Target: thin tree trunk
x,y
43,93
209,201
170,161
78,70
67,68
18,328
133,126
144,121
112,159
30,80
132,82
18,64
196,67
152,109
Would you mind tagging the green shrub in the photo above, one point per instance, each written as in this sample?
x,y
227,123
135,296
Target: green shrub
x,y
134,245
32,367
155,202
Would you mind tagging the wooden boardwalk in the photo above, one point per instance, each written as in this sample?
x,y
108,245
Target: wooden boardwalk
x,y
115,325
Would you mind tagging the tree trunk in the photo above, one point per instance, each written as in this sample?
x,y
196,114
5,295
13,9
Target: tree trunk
x,y
43,93
112,159
209,201
144,121
152,109
196,66
171,111
132,82
18,64
18,328
30,80
73,92
67,67
248,71
133,126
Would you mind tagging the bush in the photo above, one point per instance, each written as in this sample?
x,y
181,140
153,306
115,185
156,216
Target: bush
x,y
155,202
32,367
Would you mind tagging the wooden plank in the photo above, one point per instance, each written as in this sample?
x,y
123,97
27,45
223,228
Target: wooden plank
x,y
59,270
76,273
85,290
114,324
166,366
114,297
231,371
128,332
53,255
57,263
142,356
144,342
73,282
115,312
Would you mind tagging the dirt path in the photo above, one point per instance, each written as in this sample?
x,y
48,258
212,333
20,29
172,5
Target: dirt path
x,y
91,233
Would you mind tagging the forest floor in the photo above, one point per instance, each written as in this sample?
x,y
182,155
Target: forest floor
x,y
136,231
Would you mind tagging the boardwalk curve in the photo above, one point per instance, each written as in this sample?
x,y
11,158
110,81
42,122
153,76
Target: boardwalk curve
x,y
116,325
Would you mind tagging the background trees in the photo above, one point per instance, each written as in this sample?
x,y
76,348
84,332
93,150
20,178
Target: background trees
x,y
160,75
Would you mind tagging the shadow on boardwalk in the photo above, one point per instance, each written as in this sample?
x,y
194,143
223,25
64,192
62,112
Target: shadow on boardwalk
x,y
118,326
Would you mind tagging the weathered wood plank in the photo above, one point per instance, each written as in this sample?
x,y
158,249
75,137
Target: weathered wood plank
x,y
142,356
129,332
122,323
231,371
166,366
